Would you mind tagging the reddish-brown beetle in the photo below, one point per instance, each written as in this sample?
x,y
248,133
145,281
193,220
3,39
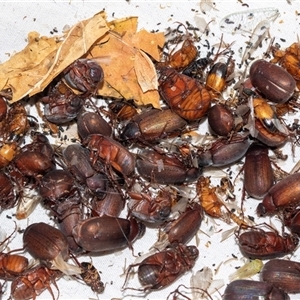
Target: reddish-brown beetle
x,y
92,123
148,208
184,228
33,282
258,172
185,95
224,152
163,268
12,265
266,244
220,120
111,152
284,193
107,233
273,81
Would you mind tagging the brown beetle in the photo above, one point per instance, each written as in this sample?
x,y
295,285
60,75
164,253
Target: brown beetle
x,y
184,228
163,268
84,75
61,105
283,274
49,244
33,282
266,244
148,208
106,233
111,205
165,168
273,81
90,122
152,125
284,193
220,120
258,172
111,152
251,289
223,152
185,95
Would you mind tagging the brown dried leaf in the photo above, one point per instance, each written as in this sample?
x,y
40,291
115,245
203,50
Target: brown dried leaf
x,y
128,72
32,69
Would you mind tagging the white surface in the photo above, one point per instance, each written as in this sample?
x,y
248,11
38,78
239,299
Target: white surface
x,y
17,19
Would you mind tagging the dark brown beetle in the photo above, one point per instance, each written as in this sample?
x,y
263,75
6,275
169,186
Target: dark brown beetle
x,y
60,193
33,282
224,152
111,205
32,163
147,208
106,233
185,95
77,159
284,193
110,152
152,125
258,172
90,122
243,289
61,105
165,168
283,274
266,244
220,120
185,227
163,268
273,81
84,75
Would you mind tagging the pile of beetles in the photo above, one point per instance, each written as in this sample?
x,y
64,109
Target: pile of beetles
x,y
143,159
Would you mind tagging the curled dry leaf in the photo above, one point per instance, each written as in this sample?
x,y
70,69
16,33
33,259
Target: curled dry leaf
x,y
32,69
128,72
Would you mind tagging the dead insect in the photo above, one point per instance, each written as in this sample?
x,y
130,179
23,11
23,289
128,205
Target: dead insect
x,y
185,95
273,81
163,268
91,277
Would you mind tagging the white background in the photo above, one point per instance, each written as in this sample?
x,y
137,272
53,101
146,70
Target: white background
x,y
19,18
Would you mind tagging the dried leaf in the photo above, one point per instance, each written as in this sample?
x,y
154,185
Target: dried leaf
x,y
128,72
32,69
